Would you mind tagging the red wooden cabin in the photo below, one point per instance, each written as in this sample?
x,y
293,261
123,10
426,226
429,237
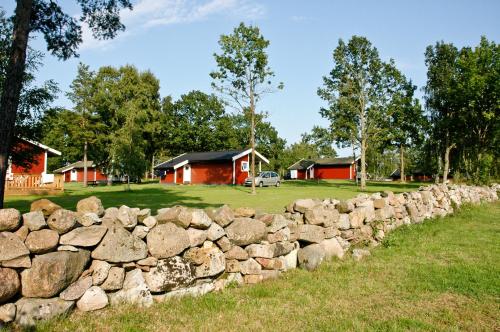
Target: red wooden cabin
x,y
218,167
325,169
74,172
40,154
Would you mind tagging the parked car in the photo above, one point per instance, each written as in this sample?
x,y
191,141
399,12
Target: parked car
x,y
267,178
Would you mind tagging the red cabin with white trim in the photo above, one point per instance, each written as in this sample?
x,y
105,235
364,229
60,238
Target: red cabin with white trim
x,y
325,169
217,167
74,172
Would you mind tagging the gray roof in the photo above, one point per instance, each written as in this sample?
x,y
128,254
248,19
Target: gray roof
x,y
302,164
193,157
78,164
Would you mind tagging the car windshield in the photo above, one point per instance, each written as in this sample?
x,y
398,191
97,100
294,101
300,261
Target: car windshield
x,y
261,174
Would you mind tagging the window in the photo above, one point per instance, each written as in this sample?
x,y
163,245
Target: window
x,y
266,175
244,166
274,175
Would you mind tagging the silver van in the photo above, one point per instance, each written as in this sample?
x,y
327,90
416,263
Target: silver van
x,y
267,178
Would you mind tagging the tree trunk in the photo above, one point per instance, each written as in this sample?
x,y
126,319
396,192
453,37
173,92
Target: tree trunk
x,y
363,164
252,139
402,163
447,162
12,86
85,171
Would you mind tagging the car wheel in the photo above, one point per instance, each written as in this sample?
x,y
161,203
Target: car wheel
x,y
261,184
278,184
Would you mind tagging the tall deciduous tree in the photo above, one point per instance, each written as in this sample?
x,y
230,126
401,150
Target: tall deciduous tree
x,y
243,74
63,35
443,100
355,93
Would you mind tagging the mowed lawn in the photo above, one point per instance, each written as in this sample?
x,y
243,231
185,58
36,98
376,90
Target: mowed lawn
x,y
442,275
155,195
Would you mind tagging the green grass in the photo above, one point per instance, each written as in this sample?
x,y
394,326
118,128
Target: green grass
x,y
439,275
154,195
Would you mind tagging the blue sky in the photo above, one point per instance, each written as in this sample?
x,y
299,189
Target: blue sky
x,y
176,39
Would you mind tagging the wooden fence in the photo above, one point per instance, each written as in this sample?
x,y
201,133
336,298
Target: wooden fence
x,y
25,184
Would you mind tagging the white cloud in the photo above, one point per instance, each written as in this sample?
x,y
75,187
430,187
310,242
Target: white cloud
x,y
153,13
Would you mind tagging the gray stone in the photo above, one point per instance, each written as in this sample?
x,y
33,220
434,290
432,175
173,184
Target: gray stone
x,y
200,219
357,217
30,311
150,222
345,206
311,256
42,241
34,220
290,260
51,273
170,274
7,312
283,234
115,278
278,222
167,240
243,231
283,248
194,291
260,250
127,217
62,221
119,246
223,216
9,284
215,232
310,233
302,205
88,219
143,214
11,247
84,236
250,266
45,206
22,232
235,278
232,266
212,260
224,244
90,204
100,270
332,248
320,215
238,253
149,261
67,248
344,223
134,291
244,212
76,289
10,220
93,299
140,231
196,236
177,215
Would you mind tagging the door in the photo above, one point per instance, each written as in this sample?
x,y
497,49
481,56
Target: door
x,y
187,174
311,173
73,176
293,174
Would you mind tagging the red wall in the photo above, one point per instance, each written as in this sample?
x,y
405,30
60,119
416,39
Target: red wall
x,y
332,172
36,167
212,173
239,175
168,177
301,174
180,179
90,175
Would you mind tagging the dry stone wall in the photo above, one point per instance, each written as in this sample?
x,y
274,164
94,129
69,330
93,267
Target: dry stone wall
x,y
53,260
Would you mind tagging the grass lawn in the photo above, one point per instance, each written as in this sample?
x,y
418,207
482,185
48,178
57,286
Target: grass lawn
x,y
440,275
154,195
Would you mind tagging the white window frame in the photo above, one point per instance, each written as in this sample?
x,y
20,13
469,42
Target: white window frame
x,y
245,166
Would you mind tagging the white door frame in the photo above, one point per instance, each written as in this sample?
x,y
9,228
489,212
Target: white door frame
x,y
73,175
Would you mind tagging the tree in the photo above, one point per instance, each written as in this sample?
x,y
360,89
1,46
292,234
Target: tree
x,y
243,74
406,120
63,35
443,100
355,93
84,115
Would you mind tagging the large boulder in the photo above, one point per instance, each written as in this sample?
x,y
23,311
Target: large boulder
x,y
278,222
167,240
311,256
42,241
90,204
30,311
332,248
134,291
127,216
196,236
10,220
302,205
244,212
84,236
9,284
35,220
200,219
11,247
243,231
93,299
47,207
215,232
169,274
310,233
119,246
212,261
76,289
51,273
177,215
62,221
